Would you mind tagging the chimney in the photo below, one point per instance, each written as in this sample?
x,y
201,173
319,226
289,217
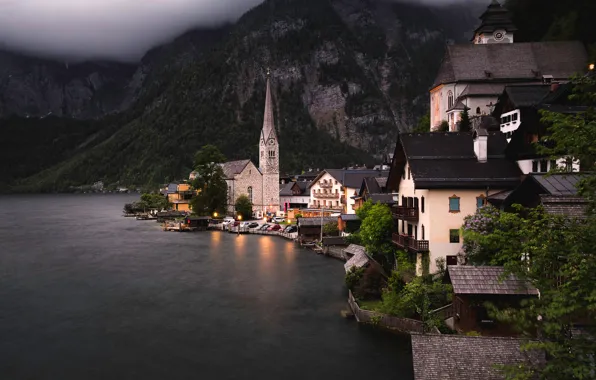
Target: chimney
x,y
481,144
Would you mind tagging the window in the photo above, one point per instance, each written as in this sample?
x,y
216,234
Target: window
x,y
453,236
534,166
336,182
422,204
553,164
480,202
543,166
403,226
449,99
477,110
569,164
409,173
454,204
416,203
250,193
514,117
271,154
422,232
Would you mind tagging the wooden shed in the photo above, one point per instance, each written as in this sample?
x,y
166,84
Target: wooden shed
x,y
310,228
473,286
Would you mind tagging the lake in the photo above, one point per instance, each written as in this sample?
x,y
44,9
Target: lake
x,y
88,294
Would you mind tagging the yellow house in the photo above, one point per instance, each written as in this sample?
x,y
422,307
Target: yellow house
x,y
441,178
179,195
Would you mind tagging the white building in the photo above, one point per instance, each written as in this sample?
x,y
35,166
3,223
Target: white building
x,y
336,188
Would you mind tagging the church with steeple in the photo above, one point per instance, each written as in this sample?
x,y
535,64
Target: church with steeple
x,y
260,184
473,75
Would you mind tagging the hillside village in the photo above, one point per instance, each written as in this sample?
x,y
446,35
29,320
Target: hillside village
x,y
481,155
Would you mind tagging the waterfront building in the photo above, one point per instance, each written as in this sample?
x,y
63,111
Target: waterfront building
x,y
260,184
335,189
442,177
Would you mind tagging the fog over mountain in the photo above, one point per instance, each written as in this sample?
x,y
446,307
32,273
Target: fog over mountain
x,y
120,30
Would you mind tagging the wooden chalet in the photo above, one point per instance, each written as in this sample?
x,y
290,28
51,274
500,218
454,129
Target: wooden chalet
x,y
310,228
475,285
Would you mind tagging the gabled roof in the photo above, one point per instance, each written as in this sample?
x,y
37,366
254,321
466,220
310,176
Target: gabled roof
x,y
354,249
528,95
351,178
381,198
526,61
359,260
558,183
441,357
349,217
482,89
447,160
232,168
486,280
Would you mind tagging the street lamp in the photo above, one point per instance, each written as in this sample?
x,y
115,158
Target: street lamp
x,y
215,214
239,218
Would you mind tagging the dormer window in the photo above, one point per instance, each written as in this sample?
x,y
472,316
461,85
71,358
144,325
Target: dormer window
x,y
547,79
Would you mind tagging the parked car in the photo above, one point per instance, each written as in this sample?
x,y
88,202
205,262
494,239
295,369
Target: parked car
x,y
275,227
253,224
291,229
278,219
264,227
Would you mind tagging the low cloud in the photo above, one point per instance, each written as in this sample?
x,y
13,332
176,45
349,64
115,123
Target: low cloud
x,y
107,29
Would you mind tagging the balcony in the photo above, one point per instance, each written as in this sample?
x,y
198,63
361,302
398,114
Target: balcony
x,y
405,213
314,206
326,195
409,243
325,185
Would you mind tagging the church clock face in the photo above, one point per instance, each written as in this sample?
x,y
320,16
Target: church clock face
x,y
499,35
271,142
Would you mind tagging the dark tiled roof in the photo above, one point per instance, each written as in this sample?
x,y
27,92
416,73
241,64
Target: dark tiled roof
x,y
440,160
348,217
477,89
231,168
381,198
441,357
316,221
512,61
359,260
486,280
500,196
286,189
372,185
558,184
353,178
382,181
527,95
569,206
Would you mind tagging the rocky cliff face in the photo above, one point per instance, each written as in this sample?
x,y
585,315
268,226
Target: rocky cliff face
x,y
347,75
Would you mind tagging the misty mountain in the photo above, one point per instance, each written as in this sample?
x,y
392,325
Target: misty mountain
x,y
347,75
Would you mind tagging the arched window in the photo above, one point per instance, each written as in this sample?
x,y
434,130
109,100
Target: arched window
x,y
449,99
477,110
250,193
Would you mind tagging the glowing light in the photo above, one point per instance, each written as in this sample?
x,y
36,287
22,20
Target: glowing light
x,y
239,217
591,66
215,214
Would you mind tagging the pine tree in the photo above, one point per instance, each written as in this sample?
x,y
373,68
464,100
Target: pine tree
x,y
465,125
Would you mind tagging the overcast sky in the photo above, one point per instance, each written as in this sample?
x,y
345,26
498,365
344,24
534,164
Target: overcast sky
x,y
111,29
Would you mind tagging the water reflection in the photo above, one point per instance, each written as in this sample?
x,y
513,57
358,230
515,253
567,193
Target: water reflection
x,y
266,255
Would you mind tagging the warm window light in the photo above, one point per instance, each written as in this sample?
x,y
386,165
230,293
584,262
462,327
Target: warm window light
x,y
591,66
215,214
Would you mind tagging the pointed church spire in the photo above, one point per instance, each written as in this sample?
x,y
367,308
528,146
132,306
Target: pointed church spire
x,y
268,130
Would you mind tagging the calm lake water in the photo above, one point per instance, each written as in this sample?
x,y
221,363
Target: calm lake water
x,y
88,294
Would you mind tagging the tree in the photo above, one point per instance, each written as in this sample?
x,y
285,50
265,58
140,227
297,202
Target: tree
x,y
331,229
243,207
464,124
210,182
443,127
556,255
376,228
155,201
423,124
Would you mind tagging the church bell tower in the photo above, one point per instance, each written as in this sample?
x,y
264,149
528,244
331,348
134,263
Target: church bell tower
x,y
269,155
496,27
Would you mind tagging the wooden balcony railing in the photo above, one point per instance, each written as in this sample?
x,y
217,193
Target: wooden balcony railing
x,y
409,243
325,185
405,213
326,195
